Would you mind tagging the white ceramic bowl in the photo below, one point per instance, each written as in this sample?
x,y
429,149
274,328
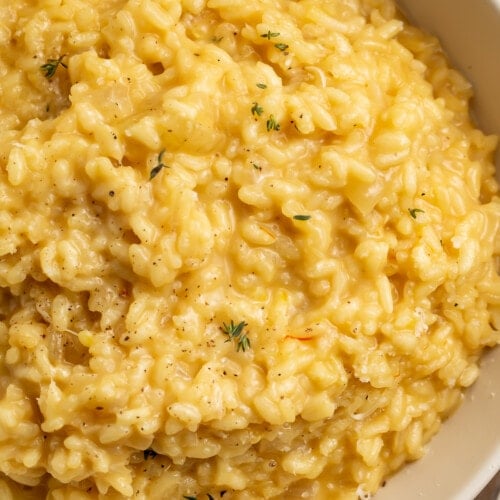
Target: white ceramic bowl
x,y
465,454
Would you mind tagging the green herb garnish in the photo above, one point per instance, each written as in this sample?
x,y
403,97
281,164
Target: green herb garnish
x,y
272,124
281,46
269,35
301,217
262,86
50,67
256,109
149,453
159,165
414,211
236,332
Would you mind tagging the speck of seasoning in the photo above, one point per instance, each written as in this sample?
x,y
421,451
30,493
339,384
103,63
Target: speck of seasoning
x,y
262,86
301,217
111,193
149,453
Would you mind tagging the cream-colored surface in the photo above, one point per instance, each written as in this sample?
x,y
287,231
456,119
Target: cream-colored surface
x,y
366,319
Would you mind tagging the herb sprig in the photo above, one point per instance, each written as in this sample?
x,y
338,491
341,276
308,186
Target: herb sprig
x,y
159,166
50,67
272,124
256,109
235,332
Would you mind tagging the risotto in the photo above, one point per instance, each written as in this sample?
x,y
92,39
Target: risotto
x,y
248,250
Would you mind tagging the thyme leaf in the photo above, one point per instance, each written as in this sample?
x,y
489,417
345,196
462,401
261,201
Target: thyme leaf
x,y
50,67
159,165
301,217
256,109
413,212
270,34
235,332
243,344
281,46
262,85
272,124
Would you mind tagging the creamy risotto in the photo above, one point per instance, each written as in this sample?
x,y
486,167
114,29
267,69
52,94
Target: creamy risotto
x,y
248,249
